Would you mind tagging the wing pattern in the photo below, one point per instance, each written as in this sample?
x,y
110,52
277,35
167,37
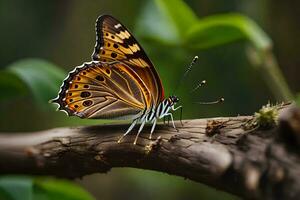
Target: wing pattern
x,y
116,43
101,90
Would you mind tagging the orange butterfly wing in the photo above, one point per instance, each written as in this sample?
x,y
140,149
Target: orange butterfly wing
x,y
102,91
116,43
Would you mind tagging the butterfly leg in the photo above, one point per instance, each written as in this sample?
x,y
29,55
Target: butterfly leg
x,y
172,119
179,107
140,130
129,129
176,108
165,120
152,129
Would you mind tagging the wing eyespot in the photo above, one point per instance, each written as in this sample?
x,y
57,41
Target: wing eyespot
x,y
113,55
76,106
107,71
86,86
116,46
87,103
75,86
100,78
85,94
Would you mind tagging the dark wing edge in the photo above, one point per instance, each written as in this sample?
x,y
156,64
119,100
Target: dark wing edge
x,y
100,40
64,89
100,44
65,85
99,36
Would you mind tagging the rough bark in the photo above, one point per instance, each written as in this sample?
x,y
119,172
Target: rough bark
x,y
253,163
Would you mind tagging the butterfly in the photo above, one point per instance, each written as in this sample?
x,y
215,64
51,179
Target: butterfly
x,y
119,83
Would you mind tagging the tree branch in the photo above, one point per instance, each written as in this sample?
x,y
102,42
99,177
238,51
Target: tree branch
x,y
220,152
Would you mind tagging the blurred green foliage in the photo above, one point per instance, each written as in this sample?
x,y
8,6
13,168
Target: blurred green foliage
x,y
224,28
189,31
30,188
172,34
182,29
298,99
11,85
35,76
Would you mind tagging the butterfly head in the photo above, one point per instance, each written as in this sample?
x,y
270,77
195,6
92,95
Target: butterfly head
x,y
173,99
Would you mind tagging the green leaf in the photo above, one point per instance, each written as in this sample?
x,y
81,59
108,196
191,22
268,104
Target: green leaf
x,y
152,25
4,195
165,21
178,13
221,29
16,188
51,189
298,99
27,188
40,77
11,85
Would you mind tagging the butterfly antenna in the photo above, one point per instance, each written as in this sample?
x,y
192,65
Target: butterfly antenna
x,y
212,102
186,73
198,86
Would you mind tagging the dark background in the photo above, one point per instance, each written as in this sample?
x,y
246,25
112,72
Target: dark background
x,y
62,32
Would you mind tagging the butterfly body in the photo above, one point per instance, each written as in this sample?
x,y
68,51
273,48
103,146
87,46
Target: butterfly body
x,y
160,111
120,82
